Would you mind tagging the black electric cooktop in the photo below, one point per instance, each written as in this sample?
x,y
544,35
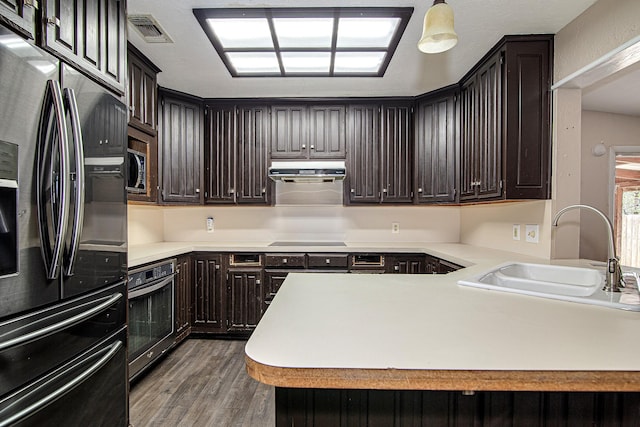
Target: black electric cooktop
x,y
307,244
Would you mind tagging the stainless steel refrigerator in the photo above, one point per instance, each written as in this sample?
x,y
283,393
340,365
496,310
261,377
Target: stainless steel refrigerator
x,y
63,243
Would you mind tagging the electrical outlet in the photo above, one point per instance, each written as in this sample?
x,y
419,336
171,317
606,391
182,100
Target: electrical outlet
x,y
532,231
210,224
395,227
516,232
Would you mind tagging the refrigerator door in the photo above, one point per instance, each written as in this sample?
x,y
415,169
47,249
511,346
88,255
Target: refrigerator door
x,y
100,223
25,72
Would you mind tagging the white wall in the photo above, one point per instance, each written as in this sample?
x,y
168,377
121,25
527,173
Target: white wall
x,y
603,27
491,225
611,130
145,224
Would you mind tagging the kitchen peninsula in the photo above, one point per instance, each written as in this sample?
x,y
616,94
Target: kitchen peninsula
x,y
371,349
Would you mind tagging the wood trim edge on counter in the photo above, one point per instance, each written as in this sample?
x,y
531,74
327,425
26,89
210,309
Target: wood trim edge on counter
x,y
407,379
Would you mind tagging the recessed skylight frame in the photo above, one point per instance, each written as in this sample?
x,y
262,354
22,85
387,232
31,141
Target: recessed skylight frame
x,y
306,55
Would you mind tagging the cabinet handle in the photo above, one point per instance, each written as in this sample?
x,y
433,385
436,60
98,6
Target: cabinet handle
x,y
384,190
53,21
232,191
284,260
257,281
304,146
197,191
419,190
264,190
31,3
396,268
313,147
328,261
353,190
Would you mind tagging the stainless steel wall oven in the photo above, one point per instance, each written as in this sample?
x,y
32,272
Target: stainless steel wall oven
x,y
151,314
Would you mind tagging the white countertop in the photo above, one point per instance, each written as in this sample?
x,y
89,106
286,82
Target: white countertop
x,y
428,322
425,322
457,253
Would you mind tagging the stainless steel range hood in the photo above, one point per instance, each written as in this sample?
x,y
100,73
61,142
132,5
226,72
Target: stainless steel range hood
x,y
308,171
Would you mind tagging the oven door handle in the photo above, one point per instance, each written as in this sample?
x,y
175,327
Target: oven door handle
x,y
63,324
104,354
151,288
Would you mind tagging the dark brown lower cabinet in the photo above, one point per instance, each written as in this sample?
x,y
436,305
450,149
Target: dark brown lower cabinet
x,y
371,408
273,280
244,299
207,313
406,264
183,285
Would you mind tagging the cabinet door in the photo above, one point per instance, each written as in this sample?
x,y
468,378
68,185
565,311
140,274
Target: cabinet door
x,y
435,150
527,128
245,299
20,15
396,160
289,132
408,264
253,184
490,129
142,92
327,136
274,279
181,148
183,297
481,145
89,34
207,298
362,183
220,154
468,139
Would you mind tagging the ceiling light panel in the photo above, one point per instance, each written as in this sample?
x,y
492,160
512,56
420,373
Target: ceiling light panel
x,y
304,32
366,32
359,62
313,42
242,33
254,62
306,62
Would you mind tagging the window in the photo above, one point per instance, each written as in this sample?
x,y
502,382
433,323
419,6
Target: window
x,y
309,42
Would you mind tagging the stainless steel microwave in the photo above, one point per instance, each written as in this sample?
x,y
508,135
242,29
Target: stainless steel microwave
x,y
137,177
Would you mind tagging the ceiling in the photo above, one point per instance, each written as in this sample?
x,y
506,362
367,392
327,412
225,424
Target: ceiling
x,y
191,64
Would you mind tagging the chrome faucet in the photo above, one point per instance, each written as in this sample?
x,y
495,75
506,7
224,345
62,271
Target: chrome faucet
x,y
613,281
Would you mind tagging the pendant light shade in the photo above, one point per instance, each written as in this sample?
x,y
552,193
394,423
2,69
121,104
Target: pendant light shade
x,y
438,34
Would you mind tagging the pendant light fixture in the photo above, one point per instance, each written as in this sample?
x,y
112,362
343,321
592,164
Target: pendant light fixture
x,y
438,34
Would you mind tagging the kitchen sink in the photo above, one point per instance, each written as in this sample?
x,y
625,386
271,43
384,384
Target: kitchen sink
x,y
575,284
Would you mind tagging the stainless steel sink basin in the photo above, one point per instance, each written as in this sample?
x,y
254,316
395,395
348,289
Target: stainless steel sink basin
x,y
575,284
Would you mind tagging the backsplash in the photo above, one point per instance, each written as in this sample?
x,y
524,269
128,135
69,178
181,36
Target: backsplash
x,y
488,225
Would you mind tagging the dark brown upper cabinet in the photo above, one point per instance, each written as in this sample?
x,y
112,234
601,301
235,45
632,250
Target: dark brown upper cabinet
x,y
236,154
181,147
90,35
220,154
379,148
362,183
436,143
396,142
19,15
142,91
505,122
289,132
253,185
307,131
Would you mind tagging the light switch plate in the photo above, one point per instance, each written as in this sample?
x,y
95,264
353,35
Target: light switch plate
x,y
532,231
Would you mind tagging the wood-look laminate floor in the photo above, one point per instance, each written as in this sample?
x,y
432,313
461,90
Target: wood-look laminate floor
x,y
203,382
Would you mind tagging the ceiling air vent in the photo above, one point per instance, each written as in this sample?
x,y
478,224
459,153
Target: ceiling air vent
x,y
149,29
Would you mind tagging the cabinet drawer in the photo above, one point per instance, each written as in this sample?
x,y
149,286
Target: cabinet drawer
x,y
285,260
328,260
